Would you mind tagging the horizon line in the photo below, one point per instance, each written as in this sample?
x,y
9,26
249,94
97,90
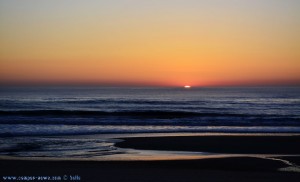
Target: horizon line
x,y
136,84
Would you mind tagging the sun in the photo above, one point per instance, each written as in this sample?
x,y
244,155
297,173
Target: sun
x,y
187,86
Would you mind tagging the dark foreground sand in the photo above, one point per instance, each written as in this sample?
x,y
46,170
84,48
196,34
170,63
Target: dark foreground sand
x,y
223,169
246,144
241,169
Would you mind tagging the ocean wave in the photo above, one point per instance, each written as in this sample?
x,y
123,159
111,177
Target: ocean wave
x,y
55,130
140,118
206,121
130,113
104,101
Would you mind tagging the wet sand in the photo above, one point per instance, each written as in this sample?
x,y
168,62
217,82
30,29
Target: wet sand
x,y
223,169
240,144
216,169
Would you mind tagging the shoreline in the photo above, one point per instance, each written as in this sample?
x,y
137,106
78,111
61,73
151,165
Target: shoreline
x,y
229,169
239,168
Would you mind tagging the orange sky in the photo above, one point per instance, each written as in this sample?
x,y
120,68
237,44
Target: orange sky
x,y
170,42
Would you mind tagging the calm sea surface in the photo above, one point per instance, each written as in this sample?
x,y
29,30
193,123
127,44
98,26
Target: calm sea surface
x,y
32,120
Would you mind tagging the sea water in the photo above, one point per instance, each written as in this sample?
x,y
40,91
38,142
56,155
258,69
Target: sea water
x,y
54,121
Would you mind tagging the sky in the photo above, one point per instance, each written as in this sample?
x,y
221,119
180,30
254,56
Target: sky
x,y
151,42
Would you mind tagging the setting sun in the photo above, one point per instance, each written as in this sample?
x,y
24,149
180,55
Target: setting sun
x,y
187,86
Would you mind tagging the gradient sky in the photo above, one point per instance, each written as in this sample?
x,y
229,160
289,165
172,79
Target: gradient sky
x,y
151,42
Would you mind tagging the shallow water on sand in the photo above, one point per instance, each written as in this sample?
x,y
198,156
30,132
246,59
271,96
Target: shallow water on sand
x,y
102,147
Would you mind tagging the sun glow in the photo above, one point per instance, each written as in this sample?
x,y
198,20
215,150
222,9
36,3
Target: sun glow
x,y
187,86
168,43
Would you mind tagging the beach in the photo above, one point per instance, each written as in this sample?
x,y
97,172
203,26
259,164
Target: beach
x,y
150,91
225,169
231,144
246,168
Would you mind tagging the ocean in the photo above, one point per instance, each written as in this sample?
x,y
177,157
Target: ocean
x,y
55,121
